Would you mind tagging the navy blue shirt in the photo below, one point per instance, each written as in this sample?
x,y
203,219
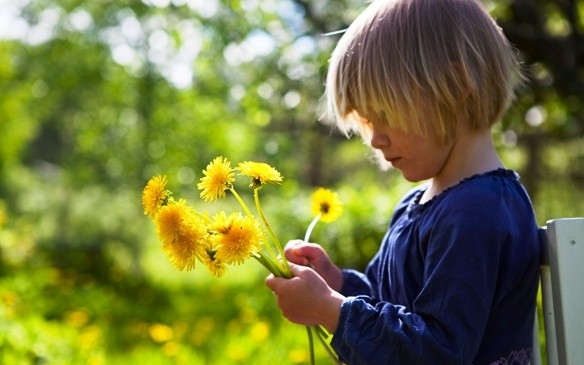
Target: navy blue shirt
x,y
454,281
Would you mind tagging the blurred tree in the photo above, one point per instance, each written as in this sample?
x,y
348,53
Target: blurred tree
x,y
18,122
550,36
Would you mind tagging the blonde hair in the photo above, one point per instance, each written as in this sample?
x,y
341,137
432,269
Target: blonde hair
x,y
422,66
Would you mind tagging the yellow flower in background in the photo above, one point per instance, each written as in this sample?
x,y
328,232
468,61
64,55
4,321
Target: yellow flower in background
x,y
219,177
154,195
260,173
183,234
236,237
327,204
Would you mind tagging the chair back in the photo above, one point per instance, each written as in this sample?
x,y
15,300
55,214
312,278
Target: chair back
x,y
562,283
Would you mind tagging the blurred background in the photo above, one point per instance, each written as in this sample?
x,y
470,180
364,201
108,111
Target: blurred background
x,y
98,96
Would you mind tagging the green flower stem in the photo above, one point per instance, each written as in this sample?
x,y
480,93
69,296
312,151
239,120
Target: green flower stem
x,y
266,263
311,227
241,202
322,335
310,345
322,331
269,228
273,267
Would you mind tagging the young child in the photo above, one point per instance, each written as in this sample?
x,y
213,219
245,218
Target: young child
x,y
456,276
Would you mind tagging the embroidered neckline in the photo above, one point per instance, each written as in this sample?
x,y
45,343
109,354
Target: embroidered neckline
x,y
500,172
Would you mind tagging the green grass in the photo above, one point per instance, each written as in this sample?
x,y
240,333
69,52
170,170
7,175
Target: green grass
x,y
53,317
169,318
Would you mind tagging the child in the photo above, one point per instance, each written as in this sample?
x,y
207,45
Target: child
x,y
456,276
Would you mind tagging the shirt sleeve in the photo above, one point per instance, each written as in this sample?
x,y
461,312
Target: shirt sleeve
x,y
355,283
383,333
445,322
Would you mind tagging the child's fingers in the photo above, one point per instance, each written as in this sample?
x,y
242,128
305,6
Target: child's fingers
x,y
293,243
273,282
294,252
295,256
309,251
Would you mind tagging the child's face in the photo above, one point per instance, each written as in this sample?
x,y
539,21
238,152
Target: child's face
x,y
417,157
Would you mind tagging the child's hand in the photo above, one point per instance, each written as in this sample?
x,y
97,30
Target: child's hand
x,y
313,255
306,298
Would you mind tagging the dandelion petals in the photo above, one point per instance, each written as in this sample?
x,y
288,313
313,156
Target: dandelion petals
x,y
219,177
327,204
154,195
182,233
260,173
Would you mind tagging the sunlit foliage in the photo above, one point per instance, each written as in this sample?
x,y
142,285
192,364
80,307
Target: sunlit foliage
x,y
96,97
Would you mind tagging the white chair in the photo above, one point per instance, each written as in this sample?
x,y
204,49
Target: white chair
x,y
562,284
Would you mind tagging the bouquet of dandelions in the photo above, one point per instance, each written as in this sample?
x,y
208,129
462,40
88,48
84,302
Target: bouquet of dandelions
x,y
187,236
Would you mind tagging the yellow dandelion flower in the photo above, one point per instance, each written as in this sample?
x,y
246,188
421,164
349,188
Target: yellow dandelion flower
x,y
183,234
154,195
236,237
215,265
327,204
219,177
260,173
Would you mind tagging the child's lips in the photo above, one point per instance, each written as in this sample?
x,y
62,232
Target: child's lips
x,y
393,160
